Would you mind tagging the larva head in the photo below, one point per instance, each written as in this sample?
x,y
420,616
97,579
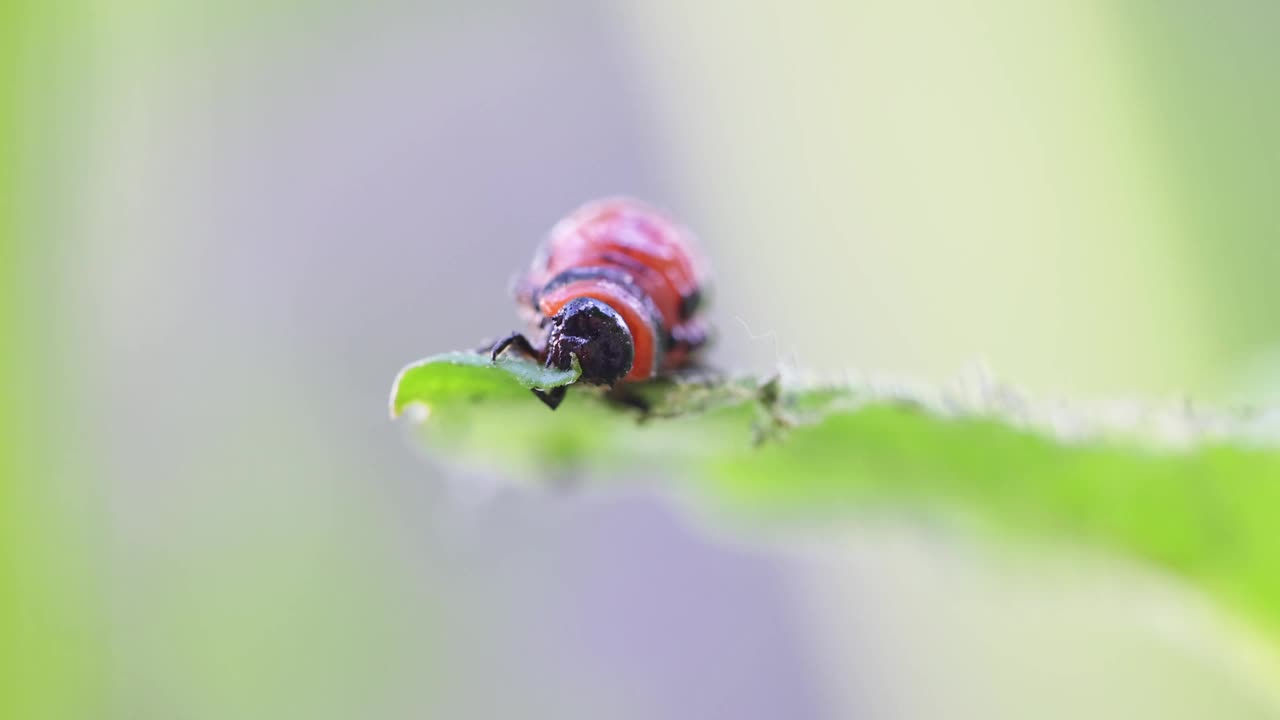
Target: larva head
x,y
597,334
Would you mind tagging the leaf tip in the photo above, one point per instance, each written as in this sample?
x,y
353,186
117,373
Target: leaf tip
x,y
396,405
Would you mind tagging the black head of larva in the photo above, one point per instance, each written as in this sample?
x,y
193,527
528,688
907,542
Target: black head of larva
x,y
597,334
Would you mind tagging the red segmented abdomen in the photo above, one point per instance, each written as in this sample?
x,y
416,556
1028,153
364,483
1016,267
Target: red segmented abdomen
x,y
631,237
632,257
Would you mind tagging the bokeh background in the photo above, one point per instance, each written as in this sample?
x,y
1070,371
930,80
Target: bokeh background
x,y
229,224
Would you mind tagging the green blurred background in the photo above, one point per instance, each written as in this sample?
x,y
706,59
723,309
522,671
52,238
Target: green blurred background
x,y
227,225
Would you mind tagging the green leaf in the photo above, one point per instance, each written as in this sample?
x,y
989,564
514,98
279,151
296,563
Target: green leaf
x,y
455,376
1196,493
483,413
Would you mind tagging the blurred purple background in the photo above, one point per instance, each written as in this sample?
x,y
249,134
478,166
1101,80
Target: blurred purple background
x,y
282,205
